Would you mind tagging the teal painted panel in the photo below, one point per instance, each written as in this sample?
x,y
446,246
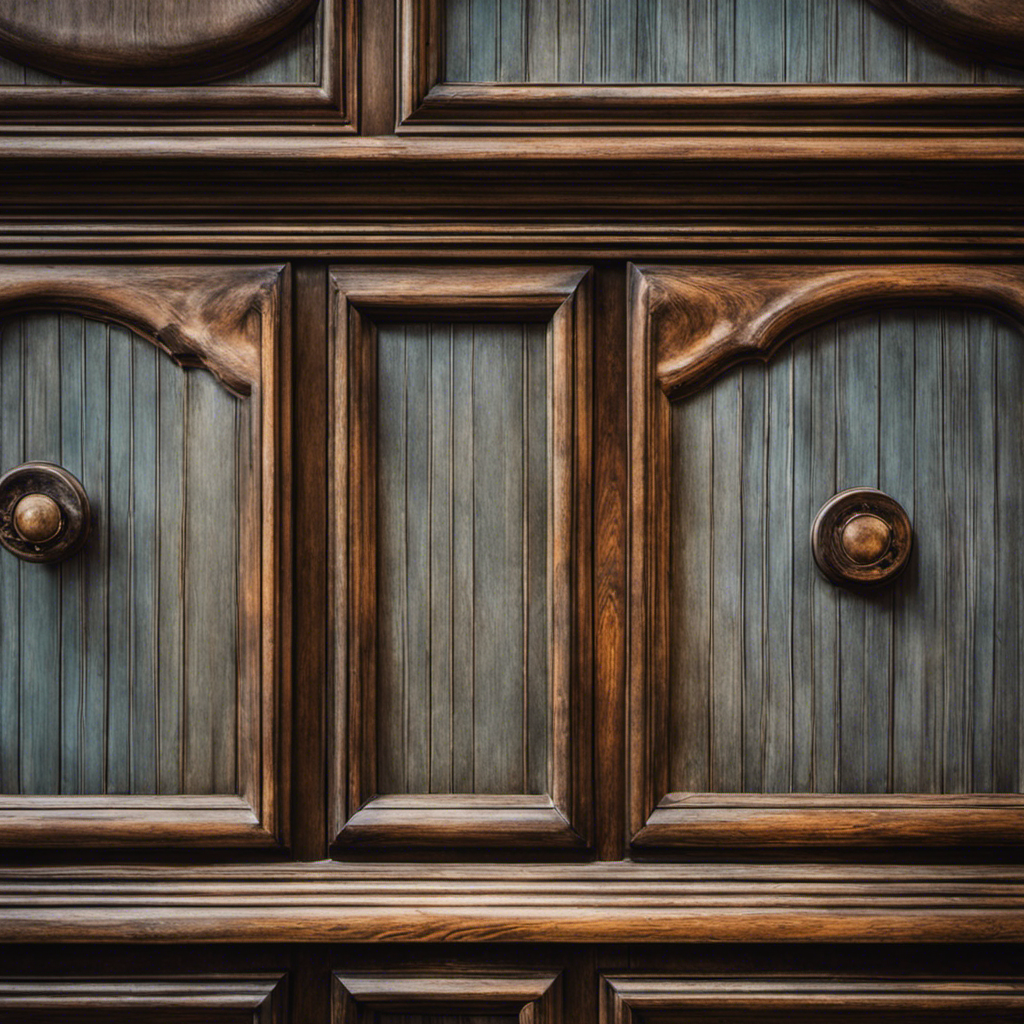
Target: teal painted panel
x,y
689,41
113,661
462,703
782,682
297,60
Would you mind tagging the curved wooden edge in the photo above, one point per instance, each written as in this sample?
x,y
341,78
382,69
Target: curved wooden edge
x,y
802,819
991,30
130,821
200,316
97,54
613,902
420,820
700,322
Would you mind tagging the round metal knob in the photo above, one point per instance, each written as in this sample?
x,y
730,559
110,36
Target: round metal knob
x,y
861,536
44,512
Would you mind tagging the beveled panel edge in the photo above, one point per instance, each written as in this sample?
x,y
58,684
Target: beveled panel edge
x,y
560,296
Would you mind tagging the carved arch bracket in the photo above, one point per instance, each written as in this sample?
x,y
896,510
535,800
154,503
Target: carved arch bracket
x,y
991,30
207,317
701,322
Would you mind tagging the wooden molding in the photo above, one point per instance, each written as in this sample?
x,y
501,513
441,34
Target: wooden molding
x,y
687,325
235,321
992,30
428,105
179,106
106,41
701,323
616,902
559,296
356,997
231,999
638,998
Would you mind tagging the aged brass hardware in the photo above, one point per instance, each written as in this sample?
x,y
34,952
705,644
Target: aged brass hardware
x,y
44,512
861,536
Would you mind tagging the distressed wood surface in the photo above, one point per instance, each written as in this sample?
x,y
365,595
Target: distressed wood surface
x,y
92,706
462,559
690,41
146,41
463,659
839,691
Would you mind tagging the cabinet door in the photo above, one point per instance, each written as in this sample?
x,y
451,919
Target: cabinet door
x,y
139,676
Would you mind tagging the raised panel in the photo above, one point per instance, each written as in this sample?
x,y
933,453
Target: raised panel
x,y
664,999
225,999
459,996
117,667
792,709
138,678
689,41
463,566
462,516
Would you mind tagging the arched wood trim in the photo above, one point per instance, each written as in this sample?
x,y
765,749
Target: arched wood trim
x,y
990,30
701,322
106,41
200,317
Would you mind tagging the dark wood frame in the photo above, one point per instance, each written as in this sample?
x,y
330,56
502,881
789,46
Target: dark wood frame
x,y
259,999
334,99
536,997
428,105
235,321
560,296
628,998
686,326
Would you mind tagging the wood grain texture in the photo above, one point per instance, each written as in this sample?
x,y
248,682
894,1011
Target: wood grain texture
x,y
638,998
257,999
988,28
462,566
311,74
439,545
153,42
91,630
124,695
893,693
524,996
543,903
723,41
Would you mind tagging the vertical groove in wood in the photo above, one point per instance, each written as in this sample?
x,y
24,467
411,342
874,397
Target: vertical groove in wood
x,y
93,650
462,558
683,41
780,681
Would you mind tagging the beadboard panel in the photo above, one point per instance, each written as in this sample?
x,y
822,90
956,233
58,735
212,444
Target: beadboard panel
x,y
692,41
462,559
296,61
782,682
118,667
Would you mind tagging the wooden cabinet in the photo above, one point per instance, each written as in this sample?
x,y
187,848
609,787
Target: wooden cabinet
x,y
454,386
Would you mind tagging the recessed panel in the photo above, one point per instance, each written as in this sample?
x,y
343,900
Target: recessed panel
x,y
119,666
462,499
782,681
693,41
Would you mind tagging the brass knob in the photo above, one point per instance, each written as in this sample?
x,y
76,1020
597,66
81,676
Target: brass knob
x,y
44,512
861,536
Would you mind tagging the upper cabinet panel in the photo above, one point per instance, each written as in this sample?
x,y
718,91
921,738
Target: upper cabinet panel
x,y
676,42
262,60
146,41
663,65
